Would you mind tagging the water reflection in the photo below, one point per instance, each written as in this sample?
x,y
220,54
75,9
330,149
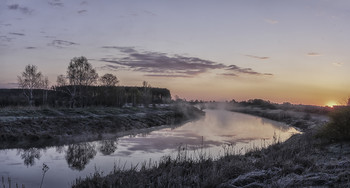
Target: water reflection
x,y
29,155
59,149
79,155
107,147
276,125
218,133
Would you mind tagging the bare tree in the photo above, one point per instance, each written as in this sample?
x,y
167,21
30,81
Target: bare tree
x,y
146,93
134,96
109,80
80,74
61,80
62,85
45,86
146,85
349,102
30,80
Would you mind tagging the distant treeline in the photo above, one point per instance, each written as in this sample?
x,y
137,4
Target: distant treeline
x,y
286,106
264,104
89,96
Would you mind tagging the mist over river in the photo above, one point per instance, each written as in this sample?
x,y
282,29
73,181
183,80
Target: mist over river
x,y
213,135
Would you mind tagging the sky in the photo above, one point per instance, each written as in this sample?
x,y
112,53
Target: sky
x,y
278,50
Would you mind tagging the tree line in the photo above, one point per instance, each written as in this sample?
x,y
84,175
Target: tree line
x,y
81,86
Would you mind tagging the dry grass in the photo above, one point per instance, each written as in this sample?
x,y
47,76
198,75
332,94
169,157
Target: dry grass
x,y
7,182
296,156
338,129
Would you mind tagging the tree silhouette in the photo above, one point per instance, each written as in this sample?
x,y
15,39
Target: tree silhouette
x,y
80,75
30,80
29,156
45,86
146,93
134,94
79,155
109,80
107,147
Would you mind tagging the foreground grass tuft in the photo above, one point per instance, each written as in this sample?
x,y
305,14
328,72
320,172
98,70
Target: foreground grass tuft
x,y
8,181
338,129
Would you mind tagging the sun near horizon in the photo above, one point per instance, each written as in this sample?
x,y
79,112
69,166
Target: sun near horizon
x,y
331,104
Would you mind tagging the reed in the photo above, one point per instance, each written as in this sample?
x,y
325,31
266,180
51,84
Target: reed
x,y
7,182
44,169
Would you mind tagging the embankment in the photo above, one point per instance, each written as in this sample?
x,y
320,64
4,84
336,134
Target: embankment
x,y
301,120
40,127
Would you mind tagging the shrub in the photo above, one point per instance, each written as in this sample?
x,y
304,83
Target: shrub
x,y
338,129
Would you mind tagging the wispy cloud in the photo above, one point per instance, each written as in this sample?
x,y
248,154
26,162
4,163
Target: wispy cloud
x,y
56,3
313,54
168,75
30,47
61,43
250,71
84,3
18,34
24,10
5,39
82,11
270,21
257,57
47,36
6,24
150,13
122,49
229,74
164,65
337,64
111,67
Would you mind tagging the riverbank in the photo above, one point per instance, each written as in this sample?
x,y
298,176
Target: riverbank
x,y
303,160
24,127
301,120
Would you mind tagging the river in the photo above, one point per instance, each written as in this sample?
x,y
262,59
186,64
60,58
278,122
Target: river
x,y
214,135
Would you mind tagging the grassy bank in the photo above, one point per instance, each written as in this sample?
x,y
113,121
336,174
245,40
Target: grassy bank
x,y
36,127
303,160
301,120
300,161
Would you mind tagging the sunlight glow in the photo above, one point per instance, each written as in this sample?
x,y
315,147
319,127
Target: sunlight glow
x,y
331,104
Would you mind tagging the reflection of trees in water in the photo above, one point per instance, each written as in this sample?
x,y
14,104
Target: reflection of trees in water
x,y
108,147
29,155
79,155
59,149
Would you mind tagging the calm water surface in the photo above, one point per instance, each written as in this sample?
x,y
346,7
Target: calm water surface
x,y
213,134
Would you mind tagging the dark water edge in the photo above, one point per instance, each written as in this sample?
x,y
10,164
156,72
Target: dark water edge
x,y
27,128
302,160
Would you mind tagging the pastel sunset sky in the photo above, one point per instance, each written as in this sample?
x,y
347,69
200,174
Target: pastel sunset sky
x,y
277,50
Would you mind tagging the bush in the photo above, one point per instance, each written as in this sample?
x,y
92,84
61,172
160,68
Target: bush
x,y
338,129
